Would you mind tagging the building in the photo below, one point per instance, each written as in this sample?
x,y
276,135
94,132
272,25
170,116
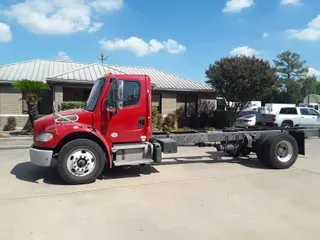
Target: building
x,y
72,81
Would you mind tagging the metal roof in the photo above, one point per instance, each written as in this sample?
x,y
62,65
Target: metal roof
x,y
36,70
60,71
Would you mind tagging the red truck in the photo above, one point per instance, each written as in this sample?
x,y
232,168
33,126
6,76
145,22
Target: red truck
x,y
115,129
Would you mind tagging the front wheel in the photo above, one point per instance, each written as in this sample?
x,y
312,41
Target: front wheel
x,y
81,161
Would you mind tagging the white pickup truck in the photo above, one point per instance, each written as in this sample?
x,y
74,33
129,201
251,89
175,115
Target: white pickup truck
x,y
290,117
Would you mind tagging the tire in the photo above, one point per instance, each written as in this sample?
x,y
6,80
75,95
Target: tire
x,y
280,152
259,143
286,125
81,161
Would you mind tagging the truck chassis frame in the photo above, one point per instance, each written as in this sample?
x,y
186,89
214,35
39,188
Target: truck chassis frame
x,y
239,141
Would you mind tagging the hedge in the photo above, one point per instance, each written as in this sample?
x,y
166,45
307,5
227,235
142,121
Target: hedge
x,y
71,105
215,119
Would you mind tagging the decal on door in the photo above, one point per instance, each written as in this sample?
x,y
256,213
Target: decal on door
x,y
143,138
114,135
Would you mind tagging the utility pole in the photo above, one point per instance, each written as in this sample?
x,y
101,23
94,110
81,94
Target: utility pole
x,y
102,58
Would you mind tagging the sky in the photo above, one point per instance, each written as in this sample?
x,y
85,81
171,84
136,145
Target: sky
x,y
177,36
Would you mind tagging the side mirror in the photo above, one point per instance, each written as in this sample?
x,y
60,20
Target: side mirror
x,y
119,94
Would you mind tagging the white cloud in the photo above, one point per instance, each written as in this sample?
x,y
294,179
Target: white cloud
x,y
313,71
60,16
109,5
237,5
311,32
291,2
245,50
62,56
5,33
172,46
141,48
95,27
266,35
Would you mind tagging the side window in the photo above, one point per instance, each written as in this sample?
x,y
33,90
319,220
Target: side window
x,y
131,93
291,111
313,112
304,111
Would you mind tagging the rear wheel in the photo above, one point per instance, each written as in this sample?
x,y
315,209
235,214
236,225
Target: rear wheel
x,y
280,152
259,144
287,125
81,161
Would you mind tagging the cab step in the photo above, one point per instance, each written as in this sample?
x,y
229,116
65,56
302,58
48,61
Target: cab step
x,y
133,162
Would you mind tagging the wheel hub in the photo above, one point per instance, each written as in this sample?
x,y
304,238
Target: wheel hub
x,y
284,151
81,162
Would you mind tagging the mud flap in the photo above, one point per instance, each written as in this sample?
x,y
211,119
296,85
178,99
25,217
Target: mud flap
x,y
300,138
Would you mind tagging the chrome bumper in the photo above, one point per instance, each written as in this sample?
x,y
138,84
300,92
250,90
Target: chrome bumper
x,y
40,157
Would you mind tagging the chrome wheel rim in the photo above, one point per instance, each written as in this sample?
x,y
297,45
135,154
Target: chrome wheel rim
x,y
81,162
284,151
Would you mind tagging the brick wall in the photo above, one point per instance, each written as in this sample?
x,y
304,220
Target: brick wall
x,y
169,103
10,102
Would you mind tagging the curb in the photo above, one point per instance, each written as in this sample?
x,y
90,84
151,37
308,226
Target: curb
x,y
15,147
11,143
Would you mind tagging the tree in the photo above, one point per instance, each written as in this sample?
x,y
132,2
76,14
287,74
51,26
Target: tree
x,y
289,66
309,85
240,79
31,94
294,91
292,71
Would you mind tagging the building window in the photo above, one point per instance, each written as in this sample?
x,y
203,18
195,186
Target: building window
x,y
75,94
187,103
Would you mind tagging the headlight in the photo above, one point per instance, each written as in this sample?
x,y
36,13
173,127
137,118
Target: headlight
x,y
44,137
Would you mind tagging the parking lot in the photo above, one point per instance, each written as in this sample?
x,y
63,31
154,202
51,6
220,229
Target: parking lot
x,y
197,193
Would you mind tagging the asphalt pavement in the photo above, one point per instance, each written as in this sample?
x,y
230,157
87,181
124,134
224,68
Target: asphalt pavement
x,y
197,193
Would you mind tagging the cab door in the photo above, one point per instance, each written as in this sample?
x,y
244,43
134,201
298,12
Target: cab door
x,y
315,117
128,124
306,119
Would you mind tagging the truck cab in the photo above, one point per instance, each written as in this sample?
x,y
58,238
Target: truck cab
x,y
113,129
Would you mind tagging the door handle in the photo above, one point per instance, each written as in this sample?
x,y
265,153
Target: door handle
x,y
141,122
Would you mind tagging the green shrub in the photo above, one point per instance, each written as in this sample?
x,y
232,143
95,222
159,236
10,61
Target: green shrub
x,y
219,119
11,124
184,129
181,119
71,105
170,122
156,119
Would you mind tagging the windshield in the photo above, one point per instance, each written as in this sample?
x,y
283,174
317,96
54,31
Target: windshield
x,y
94,95
249,116
243,113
